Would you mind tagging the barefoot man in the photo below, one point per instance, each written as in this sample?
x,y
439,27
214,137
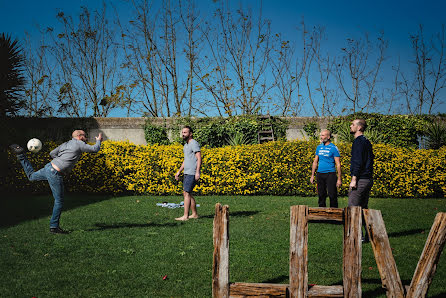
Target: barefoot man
x,y
191,166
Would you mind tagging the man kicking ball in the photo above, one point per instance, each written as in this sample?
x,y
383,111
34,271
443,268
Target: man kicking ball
x,y
64,158
191,166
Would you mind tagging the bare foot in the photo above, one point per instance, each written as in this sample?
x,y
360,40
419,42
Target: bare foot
x,y
194,216
182,218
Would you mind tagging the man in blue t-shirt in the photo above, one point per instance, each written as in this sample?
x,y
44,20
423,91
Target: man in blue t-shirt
x,y
327,162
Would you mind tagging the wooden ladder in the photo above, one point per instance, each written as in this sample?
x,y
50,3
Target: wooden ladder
x,y
266,132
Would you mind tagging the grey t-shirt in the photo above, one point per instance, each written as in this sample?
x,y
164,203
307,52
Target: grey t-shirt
x,y
67,155
190,161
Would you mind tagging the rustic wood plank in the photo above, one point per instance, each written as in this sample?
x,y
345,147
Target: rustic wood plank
x,y
329,214
325,291
352,252
429,258
388,270
298,251
240,289
220,267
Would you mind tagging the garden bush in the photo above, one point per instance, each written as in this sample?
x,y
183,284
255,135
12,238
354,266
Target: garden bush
x,y
274,168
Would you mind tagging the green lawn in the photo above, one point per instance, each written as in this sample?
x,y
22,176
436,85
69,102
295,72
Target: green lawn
x,y
123,246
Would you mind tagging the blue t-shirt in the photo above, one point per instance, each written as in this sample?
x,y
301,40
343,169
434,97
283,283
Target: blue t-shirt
x,y
326,154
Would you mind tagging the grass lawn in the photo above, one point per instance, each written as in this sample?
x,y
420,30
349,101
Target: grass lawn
x,y
123,246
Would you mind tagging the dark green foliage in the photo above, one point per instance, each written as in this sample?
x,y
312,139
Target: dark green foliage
x,y
155,134
311,128
397,130
215,132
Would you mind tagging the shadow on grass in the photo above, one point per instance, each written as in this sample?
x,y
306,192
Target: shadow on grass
x,y
235,213
406,233
102,227
15,209
276,280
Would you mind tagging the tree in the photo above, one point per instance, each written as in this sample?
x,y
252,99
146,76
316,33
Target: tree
x,y
11,77
88,79
357,72
39,72
421,89
235,67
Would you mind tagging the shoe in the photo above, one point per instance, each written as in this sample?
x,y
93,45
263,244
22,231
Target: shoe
x,y
16,149
58,230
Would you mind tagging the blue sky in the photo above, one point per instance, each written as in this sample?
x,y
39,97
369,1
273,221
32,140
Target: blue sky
x,y
342,19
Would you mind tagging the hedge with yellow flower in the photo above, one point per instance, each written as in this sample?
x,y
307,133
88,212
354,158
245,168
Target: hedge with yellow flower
x,y
274,168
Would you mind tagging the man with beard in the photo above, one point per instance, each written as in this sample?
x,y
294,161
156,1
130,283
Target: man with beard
x,y
361,167
64,158
191,166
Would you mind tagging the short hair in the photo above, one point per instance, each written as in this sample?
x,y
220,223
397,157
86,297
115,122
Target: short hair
x,y
362,124
188,127
327,130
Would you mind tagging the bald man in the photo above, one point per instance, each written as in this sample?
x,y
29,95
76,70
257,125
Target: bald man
x,y
64,158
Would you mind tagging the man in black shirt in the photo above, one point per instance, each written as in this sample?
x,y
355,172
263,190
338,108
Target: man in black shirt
x,y
361,167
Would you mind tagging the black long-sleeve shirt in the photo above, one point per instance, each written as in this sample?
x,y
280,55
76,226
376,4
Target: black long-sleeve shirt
x,y
361,164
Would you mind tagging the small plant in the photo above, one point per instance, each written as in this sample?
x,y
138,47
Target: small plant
x,y
237,139
436,135
374,136
343,133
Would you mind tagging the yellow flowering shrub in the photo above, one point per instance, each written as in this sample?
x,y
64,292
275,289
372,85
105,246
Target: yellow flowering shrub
x,y
275,168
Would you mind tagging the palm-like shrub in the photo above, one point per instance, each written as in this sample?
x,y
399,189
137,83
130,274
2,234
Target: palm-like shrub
x,y
11,79
436,135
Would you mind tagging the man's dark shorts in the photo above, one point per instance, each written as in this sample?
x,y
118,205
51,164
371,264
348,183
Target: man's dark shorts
x,y
189,183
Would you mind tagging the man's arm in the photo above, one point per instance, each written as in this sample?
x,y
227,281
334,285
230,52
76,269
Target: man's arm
x,y
338,170
313,168
54,152
92,148
356,162
197,171
177,175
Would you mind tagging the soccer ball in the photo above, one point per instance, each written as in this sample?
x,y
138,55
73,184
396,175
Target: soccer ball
x,y
34,145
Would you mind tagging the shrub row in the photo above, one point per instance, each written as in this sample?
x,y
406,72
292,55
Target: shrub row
x,y
275,168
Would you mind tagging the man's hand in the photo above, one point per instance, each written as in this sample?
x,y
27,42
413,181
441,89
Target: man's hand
x,y
99,137
353,183
338,183
312,179
177,176
197,176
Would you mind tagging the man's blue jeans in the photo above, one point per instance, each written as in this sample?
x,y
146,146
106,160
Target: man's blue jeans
x,y
55,180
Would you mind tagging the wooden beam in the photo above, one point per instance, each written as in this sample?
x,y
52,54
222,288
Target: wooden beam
x,y
388,271
220,267
240,289
329,214
352,252
427,264
298,251
326,291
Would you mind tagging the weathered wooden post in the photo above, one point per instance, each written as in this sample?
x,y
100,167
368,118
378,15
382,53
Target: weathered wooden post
x,y
427,264
298,251
352,252
388,271
220,267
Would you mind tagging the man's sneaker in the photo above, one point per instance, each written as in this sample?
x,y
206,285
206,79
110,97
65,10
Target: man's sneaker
x,y
58,231
16,149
